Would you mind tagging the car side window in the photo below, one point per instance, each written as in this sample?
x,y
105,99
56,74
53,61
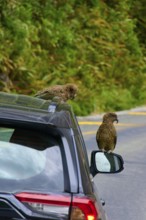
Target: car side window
x,y
30,165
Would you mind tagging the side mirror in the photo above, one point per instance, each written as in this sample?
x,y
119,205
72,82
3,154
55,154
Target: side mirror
x,y
104,162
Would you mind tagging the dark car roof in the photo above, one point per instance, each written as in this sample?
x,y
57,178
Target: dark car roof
x,y
31,109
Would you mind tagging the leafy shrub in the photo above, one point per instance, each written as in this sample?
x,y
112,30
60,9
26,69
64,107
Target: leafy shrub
x,y
98,45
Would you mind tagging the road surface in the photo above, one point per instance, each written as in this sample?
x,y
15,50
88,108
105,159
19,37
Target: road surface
x,y
124,193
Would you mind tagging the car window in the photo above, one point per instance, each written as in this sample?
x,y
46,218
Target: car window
x,y
30,160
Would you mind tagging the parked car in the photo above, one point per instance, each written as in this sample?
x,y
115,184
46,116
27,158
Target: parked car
x,y
44,168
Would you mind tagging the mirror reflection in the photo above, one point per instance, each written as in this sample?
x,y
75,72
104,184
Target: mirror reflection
x,y
107,162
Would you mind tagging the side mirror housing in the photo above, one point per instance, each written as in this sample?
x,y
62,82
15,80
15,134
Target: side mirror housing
x,y
104,162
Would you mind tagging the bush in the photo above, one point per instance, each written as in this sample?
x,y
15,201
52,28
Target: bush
x,y
93,44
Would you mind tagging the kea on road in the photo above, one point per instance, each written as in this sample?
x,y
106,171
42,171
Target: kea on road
x,y
63,92
106,135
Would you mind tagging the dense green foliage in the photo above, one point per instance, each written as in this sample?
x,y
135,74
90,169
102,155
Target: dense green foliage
x,y
99,45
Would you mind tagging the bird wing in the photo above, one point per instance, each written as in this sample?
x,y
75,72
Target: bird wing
x,y
102,135
113,133
49,93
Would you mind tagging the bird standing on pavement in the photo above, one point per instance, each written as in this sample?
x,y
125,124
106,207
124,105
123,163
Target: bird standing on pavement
x,y
63,92
106,135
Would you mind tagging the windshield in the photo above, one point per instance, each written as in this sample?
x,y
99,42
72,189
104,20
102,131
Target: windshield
x,y
30,160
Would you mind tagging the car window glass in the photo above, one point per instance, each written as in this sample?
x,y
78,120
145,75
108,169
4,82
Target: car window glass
x,y
34,163
17,162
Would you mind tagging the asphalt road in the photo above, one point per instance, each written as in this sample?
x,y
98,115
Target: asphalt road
x,y
124,193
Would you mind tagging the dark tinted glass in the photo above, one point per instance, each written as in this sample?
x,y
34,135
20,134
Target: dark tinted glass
x,y
29,160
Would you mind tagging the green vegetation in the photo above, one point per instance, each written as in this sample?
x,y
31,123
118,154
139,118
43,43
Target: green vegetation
x,y
99,45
